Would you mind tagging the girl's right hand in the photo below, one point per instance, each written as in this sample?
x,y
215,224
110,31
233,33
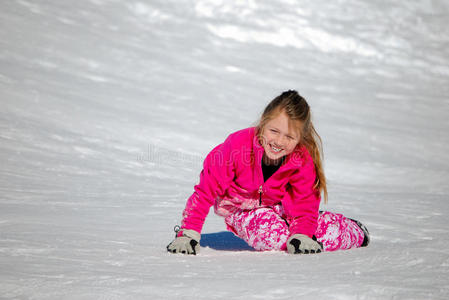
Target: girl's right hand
x,y
188,243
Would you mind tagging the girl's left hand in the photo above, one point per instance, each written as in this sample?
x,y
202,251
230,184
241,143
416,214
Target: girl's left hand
x,y
300,243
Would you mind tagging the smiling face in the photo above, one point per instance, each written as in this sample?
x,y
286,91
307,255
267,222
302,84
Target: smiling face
x,y
279,138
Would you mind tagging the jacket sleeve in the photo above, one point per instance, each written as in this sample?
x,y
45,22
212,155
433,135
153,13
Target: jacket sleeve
x,y
215,178
302,201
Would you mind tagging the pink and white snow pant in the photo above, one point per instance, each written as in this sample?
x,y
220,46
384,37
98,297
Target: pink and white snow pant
x,y
264,229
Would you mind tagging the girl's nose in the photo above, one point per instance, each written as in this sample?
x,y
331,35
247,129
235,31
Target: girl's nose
x,y
279,141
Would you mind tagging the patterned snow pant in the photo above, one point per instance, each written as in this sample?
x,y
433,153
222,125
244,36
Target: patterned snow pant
x,y
264,229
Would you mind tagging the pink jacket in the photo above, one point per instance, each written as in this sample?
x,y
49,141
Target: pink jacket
x,y
232,179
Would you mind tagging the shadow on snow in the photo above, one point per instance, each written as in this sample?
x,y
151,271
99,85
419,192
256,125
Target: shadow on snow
x,y
224,240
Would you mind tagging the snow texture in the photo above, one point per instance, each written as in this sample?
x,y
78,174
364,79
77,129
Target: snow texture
x,y
108,108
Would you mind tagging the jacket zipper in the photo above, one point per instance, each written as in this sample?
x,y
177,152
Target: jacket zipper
x,y
260,195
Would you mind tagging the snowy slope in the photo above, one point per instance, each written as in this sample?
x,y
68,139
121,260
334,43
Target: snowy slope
x,y
108,108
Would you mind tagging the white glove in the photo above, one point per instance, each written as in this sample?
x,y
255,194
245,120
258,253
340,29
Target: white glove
x,y
188,243
300,243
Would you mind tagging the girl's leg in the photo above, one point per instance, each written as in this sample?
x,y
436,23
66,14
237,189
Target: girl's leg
x,y
262,228
337,232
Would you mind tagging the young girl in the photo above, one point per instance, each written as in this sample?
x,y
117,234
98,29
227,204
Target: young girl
x,y
266,181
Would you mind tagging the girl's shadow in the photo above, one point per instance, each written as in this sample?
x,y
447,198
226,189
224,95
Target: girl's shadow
x,y
224,240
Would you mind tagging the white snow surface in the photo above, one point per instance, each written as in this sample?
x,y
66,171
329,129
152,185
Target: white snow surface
x,y
108,108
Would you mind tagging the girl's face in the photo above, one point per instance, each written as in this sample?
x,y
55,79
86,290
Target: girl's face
x,y
277,139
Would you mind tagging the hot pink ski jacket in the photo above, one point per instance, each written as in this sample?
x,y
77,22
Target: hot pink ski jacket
x,y
232,180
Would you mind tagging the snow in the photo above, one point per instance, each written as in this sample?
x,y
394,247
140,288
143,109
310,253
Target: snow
x,y
108,108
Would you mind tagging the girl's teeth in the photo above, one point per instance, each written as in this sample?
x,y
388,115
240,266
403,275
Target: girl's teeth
x,y
275,149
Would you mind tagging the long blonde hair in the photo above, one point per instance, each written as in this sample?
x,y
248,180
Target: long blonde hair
x,y
298,111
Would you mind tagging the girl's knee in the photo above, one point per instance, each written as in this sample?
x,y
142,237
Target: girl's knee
x,y
262,228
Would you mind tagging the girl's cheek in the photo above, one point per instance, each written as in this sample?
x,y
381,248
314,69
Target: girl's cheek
x,y
267,139
291,147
